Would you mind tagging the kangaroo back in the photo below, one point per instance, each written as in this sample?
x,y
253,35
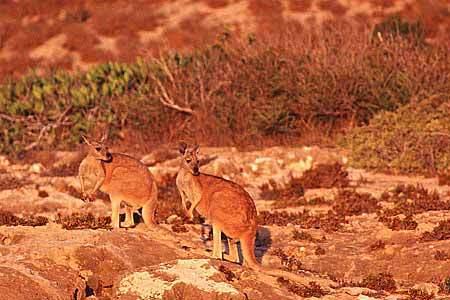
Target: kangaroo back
x,y
127,177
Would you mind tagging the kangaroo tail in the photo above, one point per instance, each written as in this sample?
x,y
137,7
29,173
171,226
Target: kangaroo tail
x,y
149,209
248,246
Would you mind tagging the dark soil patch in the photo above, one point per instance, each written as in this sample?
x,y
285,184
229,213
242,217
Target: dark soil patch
x,y
9,219
325,176
351,203
439,233
444,286
319,251
305,291
441,255
43,194
302,236
328,222
444,178
413,199
83,221
396,223
179,228
9,182
229,275
378,245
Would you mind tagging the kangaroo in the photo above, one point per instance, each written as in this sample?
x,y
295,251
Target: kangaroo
x,y
123,178
227,206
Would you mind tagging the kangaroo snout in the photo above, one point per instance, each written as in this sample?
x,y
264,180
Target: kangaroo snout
x,y
196,171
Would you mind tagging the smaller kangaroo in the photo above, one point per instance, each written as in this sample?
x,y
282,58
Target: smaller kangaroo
x,y
123,178
227,206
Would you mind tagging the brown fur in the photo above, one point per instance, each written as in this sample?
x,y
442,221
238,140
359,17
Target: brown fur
x,y
124,179
227,206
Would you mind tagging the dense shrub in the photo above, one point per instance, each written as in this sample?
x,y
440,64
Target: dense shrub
x,y
261,90
415,138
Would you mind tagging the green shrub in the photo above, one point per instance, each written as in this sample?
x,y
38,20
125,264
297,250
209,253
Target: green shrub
x,y
415,138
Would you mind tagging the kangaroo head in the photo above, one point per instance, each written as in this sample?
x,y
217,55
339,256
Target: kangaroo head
x,y
190,161
98,150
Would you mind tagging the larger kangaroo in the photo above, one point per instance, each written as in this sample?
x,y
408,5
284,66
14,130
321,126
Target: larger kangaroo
x,y
123,178
227,206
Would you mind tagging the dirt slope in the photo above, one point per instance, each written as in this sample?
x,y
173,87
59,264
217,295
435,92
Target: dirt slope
x,y
76,34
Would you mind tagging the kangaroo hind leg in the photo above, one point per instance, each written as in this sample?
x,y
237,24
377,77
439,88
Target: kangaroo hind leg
x,y
217,243
129,219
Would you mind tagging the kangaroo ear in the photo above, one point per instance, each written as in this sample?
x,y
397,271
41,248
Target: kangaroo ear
x,y
196,148
182,147
85,140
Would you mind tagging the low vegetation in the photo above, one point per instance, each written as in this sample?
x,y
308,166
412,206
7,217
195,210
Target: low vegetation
x,y
413,139
307,291
310,84
439,233
79,221
9,219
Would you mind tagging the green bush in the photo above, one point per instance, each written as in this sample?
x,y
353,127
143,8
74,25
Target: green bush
x,y
413,139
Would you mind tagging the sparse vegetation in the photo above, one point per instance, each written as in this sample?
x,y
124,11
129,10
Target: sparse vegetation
x,y
379,282
292,192
439,233
229,275
9,219
79,221
325,176
307,291
441,255
291,263
328,222
396,223
378,245
9,182
413,199
350,203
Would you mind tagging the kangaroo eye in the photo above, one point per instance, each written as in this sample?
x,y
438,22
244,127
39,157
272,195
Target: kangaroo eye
x,y
98,148
188,160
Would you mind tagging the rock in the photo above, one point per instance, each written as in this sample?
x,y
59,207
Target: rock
x,y
36,168
4,162
222,166
172,219
182,279
356,291
298,168
158,156
430,288
364,297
